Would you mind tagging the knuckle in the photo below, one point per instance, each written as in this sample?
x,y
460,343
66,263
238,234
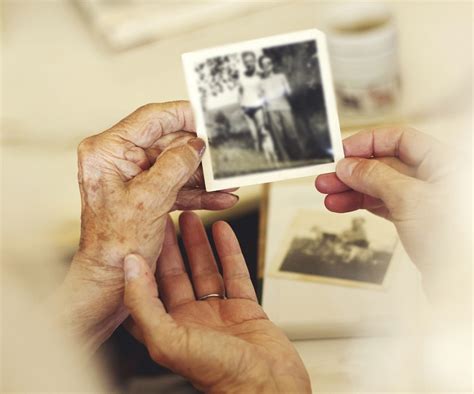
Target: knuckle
x,y
145,108
86,156
188,158
180,154
83,146
131,300
240,276
86,146
365,168
181,103
135,295
173,272
405,198
206,272
155,352
177,163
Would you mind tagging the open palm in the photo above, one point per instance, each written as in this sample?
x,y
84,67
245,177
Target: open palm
x,y
209,329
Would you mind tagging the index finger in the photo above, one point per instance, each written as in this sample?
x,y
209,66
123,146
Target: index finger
x,y
409,145
152,121
330,183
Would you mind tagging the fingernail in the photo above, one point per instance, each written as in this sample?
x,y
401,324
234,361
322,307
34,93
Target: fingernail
x,y
345,167
131,267
198,145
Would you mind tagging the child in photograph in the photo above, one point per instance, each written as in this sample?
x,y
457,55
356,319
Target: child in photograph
x,y
276,91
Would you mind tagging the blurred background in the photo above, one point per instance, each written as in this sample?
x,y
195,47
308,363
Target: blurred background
x,y
70,69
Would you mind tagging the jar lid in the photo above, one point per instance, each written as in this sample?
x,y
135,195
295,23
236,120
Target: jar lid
x,y
360,30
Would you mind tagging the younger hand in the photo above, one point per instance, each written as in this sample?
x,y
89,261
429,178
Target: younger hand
x,y
416,182
220,345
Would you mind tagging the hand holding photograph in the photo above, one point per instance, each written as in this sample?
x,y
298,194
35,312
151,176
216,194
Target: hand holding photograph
x,y
266,109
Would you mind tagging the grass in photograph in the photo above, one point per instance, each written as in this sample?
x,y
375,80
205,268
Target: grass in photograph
x,y
232,147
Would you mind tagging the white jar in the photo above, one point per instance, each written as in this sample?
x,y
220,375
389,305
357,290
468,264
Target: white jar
x,y
362,42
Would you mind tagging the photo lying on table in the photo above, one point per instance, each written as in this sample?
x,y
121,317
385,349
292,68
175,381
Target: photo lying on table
x,y
352,249
266,109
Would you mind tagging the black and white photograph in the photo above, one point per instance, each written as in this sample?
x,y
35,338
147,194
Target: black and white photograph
x,y
265,108
349,249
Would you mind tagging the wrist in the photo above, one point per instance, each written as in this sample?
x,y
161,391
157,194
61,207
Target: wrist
x,y
269,387
263,384
87,307
100,255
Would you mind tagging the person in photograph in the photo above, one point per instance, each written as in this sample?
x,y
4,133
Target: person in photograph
x,y
276,91
325,251
356,235
251,101
342,252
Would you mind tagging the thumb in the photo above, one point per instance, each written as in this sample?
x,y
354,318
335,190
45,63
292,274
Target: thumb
x,y
375,178
176,165
141,297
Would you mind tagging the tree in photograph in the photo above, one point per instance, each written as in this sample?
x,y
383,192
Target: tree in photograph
x,y
299,62
217,75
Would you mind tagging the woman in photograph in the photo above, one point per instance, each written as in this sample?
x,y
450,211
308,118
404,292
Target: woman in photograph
x,y
276,91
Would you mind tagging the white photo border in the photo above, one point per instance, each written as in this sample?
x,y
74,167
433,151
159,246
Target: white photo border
x,y
190,60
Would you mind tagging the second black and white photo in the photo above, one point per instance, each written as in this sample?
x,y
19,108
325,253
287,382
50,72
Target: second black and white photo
x,y
354,249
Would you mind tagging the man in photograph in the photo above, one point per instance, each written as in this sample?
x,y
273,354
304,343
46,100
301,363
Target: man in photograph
x,y
251,99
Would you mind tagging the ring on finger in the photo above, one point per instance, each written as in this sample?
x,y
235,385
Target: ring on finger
x,y
212,295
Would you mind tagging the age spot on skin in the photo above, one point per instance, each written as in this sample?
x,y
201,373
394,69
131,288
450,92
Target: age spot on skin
x,y
102,237
140,206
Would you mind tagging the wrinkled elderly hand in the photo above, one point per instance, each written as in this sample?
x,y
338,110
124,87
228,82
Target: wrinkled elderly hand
x,y
220,345
130,177
417,183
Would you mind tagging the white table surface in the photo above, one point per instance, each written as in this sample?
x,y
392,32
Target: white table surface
x,y
59,85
